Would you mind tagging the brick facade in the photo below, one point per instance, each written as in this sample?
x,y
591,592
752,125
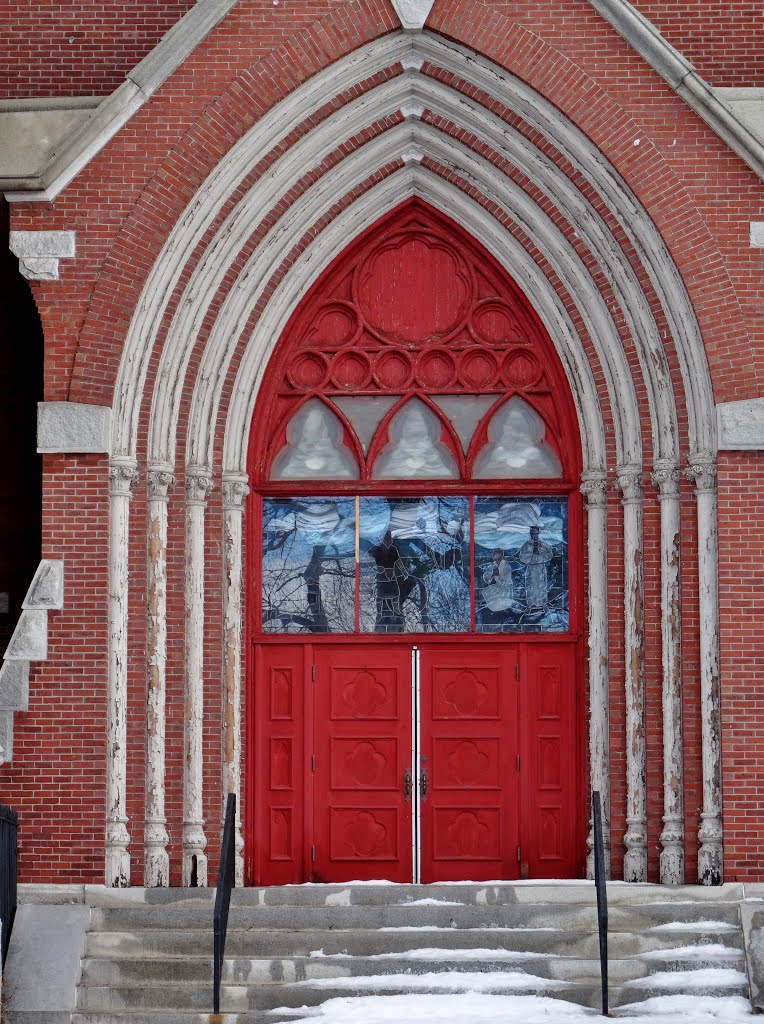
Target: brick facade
x,y
124,206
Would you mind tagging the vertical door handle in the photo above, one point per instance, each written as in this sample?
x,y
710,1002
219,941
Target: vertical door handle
x,y
408,785
423,784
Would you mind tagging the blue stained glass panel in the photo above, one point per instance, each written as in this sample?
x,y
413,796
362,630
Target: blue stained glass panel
x,y
415,565
309,565
521,565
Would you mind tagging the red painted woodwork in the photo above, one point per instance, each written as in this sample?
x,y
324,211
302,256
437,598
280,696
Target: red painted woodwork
x,y
550,841
497,738
362,742
469,744
413,307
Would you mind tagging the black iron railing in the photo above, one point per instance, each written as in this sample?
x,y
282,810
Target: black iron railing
x,y
601,887
9,822
226,877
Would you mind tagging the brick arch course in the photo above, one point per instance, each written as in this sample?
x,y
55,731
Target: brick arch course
x,y
161,202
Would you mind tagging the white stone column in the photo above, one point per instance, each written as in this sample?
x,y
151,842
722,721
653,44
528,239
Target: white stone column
x,y
156,864
235,491
198,487
629,483
122,475
666,479
594,489
711,853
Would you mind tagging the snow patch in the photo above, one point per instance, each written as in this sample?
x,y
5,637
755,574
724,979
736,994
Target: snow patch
x,y
694,926
456,981
710,977
437,953
707,951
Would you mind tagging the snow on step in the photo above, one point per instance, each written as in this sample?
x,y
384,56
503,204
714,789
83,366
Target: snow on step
x,y
439,953
707,978
694,926
464,981
704,951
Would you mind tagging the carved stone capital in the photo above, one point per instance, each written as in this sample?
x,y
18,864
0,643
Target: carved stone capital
x,y
628,481
122,476
160,479
702,472
594,489
199,486
235,490
666,477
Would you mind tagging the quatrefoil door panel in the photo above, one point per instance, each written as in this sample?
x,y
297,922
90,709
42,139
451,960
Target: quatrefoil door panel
x,y
468,753
362,722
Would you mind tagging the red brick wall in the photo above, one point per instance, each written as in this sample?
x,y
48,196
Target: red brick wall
x,y
123,206
741,583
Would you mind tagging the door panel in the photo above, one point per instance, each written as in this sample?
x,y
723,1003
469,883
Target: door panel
x,y
468,743
363,723
550,779
279,760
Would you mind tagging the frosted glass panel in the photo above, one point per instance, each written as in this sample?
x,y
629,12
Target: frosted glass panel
x,y
365,413
415,565
516,445
415,449
314,448
309,565
464,412
521,565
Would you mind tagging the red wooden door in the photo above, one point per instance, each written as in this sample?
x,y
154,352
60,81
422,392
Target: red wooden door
x,y
469,746
362,813
550,838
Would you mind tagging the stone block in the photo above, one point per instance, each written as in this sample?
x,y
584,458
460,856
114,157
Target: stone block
x,y
757,234
46,591
741,425
6,736
30,637
72,427
14,686
413,13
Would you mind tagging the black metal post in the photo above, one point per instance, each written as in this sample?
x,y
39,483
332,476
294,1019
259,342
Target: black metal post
x,y
226,878
601,887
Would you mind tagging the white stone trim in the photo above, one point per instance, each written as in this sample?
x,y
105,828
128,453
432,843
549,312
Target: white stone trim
x,y
741,425
28,643
594,490
38,252
681,75
666,478
198,487
757,234
702,471
235,490
122,475
412,14
629,483
73,427
156,861
116,110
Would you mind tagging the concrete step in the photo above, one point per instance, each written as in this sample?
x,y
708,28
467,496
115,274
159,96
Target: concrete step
x,y
577,917
364,942
707,981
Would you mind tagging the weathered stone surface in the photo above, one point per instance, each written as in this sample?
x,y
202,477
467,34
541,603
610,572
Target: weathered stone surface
x,y
72,427
413,13
44,957
14,686
757,234
741,424
30,637
46,590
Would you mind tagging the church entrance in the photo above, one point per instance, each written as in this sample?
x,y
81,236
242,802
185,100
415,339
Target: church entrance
x,y
415,619
421,762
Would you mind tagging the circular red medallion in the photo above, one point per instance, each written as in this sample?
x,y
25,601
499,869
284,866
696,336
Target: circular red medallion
x,y
308,371
393,370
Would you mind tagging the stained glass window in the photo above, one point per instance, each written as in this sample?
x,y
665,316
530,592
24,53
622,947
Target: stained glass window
x,y
414,565
415,449
309,565
315,447
521,565
516,445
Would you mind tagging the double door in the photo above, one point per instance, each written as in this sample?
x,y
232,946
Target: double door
x,y
414,762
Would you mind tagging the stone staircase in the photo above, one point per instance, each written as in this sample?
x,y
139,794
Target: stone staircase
x,y
148,953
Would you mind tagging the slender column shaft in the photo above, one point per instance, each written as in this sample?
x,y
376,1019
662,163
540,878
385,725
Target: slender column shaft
x,y
594,489
235,491
711,853
666,479
629,482
198,487
122,474
156,865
